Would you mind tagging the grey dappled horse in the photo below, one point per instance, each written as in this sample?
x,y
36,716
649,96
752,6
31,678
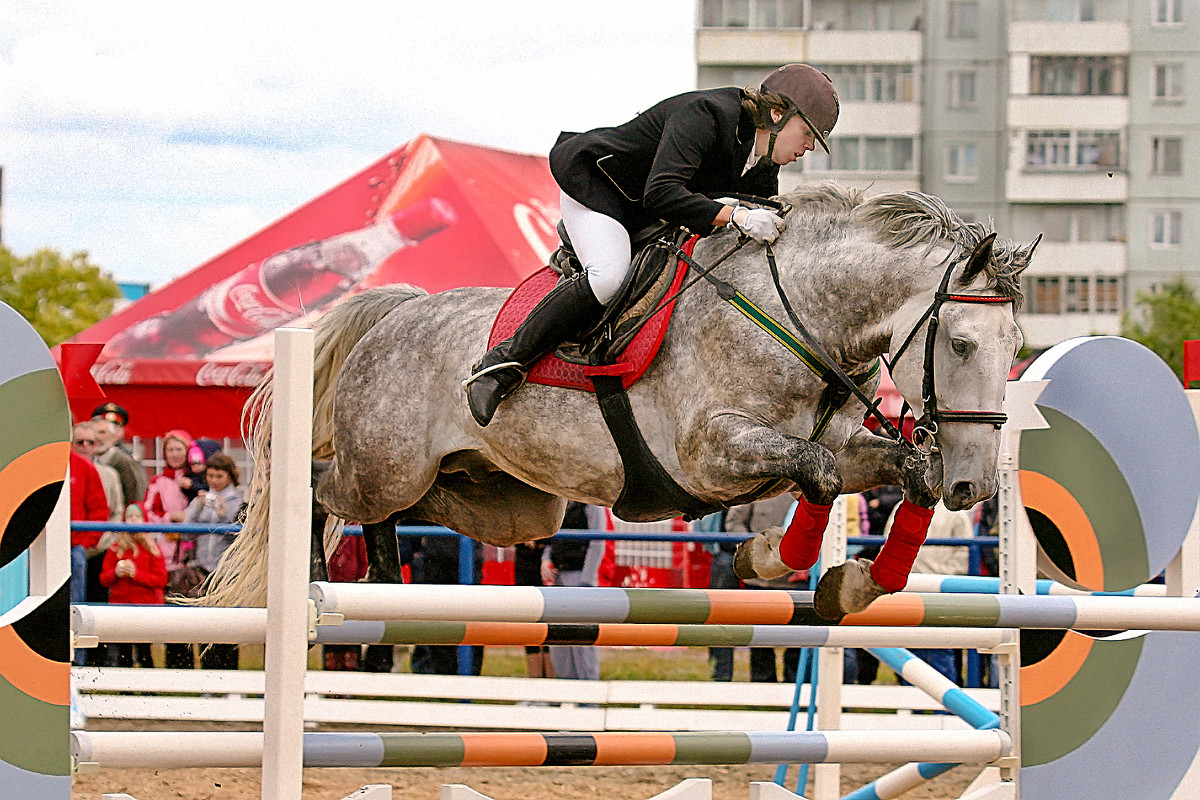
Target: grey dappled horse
x,y
725,408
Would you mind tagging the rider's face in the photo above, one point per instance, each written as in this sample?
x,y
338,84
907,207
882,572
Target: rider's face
x,y
793,141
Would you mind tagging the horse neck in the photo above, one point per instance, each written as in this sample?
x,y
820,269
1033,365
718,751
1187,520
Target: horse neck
x,y
851,293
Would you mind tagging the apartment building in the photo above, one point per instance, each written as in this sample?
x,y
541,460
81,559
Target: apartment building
x,y
1068,118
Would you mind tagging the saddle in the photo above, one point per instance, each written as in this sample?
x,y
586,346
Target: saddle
x,y
632,329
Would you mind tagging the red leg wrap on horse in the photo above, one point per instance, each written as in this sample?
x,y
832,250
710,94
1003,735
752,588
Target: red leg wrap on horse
x,y
801,545
895,560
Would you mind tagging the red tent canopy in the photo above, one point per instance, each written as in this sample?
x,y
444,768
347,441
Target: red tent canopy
x,y
435,213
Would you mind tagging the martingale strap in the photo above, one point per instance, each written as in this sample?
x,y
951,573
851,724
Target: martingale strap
x,y
831,402
839,385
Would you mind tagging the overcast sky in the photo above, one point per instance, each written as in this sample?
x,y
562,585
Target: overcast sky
x,y
155,135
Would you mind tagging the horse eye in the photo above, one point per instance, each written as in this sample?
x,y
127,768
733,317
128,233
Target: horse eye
x,y
961,347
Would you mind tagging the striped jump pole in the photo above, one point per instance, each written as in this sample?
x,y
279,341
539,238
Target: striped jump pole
x,y
424,602
170,750
156,624
941,689
977,584
616,634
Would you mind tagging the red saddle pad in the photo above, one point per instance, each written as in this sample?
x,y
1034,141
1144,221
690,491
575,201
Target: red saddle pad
x,y
552,370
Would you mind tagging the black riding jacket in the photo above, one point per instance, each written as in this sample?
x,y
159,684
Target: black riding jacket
x,y
662,163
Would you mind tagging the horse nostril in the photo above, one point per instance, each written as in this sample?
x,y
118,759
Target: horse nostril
x,y
963,492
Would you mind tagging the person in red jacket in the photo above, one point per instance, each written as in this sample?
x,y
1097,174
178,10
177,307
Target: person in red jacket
x,y
135,573
88,504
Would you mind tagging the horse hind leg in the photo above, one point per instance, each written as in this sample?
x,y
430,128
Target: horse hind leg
x,y
489,506
383,550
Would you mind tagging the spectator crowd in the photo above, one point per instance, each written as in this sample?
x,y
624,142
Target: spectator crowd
x,y
197,484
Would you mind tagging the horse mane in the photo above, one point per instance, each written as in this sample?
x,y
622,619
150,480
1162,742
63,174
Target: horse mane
x,y
912,219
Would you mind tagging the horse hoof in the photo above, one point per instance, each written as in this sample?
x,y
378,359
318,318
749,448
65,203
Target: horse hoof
x,y
846,589
759,557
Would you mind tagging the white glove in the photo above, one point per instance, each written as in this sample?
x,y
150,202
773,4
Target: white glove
x,y
759,224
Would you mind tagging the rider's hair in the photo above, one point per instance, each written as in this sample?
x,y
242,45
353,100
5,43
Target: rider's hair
x,y
758,103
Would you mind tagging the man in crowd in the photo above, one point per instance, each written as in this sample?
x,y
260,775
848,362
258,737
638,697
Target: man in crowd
x,y
109,421
88,504
84,442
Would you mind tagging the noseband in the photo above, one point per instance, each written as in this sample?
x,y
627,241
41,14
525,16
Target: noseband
x,y
926,428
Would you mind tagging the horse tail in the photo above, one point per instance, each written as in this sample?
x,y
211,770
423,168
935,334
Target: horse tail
x,y
240,578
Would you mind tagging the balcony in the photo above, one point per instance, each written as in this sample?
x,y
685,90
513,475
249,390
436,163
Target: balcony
x,y
1069,38
767,47
1079,258
856,47
879,119
1052,112
773,46
1047,330
1066,187
872,183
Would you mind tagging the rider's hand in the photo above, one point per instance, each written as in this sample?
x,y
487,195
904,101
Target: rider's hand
x,y
759,224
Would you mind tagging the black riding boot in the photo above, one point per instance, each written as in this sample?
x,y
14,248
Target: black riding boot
x,y
569,309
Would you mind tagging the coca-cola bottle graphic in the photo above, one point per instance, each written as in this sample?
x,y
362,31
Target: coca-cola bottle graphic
x,y
280,288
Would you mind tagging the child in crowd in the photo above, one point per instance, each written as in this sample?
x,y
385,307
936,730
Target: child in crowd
x,y
135,573
217,505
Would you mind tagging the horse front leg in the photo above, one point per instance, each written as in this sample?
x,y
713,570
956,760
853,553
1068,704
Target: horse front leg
x,y
744,450
869,461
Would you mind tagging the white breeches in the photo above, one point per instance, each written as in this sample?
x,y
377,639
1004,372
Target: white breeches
x,y
602,245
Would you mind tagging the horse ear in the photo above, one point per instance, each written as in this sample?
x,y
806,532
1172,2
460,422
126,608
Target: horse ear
x,y
1029,250
980,256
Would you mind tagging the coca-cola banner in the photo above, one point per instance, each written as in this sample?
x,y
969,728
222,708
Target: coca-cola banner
x,y
434,213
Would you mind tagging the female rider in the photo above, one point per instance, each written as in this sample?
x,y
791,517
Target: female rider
x,y
664,164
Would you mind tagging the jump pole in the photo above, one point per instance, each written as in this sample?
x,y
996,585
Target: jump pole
x,y
447,603
370,750
288,560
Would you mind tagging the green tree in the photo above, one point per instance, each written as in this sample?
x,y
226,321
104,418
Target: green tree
x,y
59,295
1169,316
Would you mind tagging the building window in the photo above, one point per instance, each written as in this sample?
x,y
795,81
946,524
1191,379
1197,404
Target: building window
x,y
962,19
1082,151
1067,10
863,154
1168,12
866,15
1077,297
1106,297
962,89
1072,294
875,83
1073,224
1078,75
753,14
1166,155
1165,228
1168,83
962,162
1043,295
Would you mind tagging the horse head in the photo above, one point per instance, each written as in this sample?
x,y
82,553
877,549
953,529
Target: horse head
x,y
960,351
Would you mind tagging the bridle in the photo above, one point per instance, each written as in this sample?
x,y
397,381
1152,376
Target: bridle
x,y
925,429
